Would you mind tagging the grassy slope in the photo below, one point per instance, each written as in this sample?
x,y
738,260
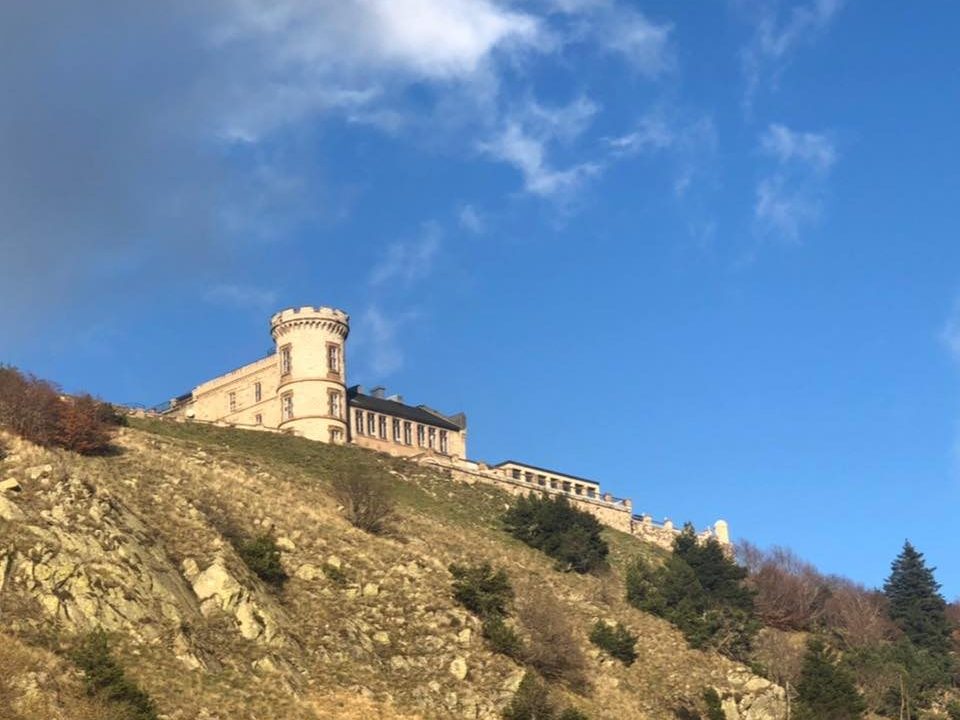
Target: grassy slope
x,y
191,484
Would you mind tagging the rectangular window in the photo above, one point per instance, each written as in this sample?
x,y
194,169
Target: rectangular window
x,y
396,431
515,473
421,436
336,435
333,358
233,401
443,441
407,434
334,403
566,486
591,493
257,392
382,427
259,419
371,424
359,422
286,362
553,483
432,438
541,479
578,489
528,477
286,406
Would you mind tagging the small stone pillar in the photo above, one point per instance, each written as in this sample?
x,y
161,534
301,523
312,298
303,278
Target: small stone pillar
x,y
667,524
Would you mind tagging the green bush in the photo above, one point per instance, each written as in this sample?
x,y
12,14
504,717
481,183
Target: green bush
x,y
105,679
953,710
262,556
711,698
532,702
553,526
481,590
700,590
826,691
503,638
616,640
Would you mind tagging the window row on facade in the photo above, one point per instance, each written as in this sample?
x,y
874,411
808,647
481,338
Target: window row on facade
x,y
566,486
232,404
375,425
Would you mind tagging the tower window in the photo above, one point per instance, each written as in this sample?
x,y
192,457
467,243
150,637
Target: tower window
x,y
336,435
443,441
359,422
286,364
233,401
286,406
421,436
333,358
258,419
334,403
396,430
407,434
383,427
371,424
257,392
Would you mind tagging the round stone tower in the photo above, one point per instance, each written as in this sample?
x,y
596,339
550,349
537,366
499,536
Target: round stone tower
x,y
313,370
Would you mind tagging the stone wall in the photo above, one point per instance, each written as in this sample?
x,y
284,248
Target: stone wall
x,y
613,512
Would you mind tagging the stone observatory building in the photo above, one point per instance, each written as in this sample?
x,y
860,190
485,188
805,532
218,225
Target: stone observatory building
x,y
301,388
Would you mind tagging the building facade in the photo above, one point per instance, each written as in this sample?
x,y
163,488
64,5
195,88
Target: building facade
x,y
301,388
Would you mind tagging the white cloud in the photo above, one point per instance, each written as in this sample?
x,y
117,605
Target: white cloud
x,y
691,143
779,28
790,195
410,261
787,145
781,211
527,153
470,219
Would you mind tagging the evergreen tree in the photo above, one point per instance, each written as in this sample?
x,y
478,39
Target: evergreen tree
x,y
825,691
915,603
552,525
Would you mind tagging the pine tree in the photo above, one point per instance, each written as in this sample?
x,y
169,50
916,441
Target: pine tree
x,y
825,691
915,602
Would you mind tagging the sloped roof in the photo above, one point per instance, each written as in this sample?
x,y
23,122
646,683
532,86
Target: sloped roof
x,y
357,399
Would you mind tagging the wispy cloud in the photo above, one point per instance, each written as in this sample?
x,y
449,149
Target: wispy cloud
x,y
690,141
408,261
786,145
378,338
470,219
779,28
525,139
790,196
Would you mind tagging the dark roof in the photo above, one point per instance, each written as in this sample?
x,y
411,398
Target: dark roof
x,y
397,409
546,470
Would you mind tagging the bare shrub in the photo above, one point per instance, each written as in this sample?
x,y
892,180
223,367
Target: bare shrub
x,y
857,616
367,500
790,593
553,649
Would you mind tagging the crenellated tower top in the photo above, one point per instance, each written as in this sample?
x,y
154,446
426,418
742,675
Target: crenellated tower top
x,y
328,319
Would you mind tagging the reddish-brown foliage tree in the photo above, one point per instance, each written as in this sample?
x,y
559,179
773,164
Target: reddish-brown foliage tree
x,y
34,410
80,427
790,593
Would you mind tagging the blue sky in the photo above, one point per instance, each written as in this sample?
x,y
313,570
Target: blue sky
x,y
703,252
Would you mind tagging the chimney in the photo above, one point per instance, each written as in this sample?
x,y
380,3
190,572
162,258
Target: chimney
x,y
396,398
378,392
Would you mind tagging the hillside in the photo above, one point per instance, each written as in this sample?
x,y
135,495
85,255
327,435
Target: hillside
x,y
138,543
